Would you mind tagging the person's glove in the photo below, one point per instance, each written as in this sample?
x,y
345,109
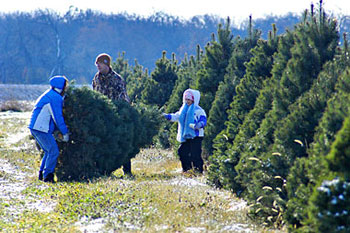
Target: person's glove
x,y
196,126
166,116
65,137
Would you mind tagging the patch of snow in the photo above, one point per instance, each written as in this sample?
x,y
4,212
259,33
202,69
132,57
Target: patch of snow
x,y
21,132
237,228
6,167
41,206
11,189
161,227
238,205
179,170
91,226
11,114
131,226
186,182
195,229
15,138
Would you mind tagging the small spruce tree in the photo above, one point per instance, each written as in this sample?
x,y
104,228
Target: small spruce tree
x,y
103,134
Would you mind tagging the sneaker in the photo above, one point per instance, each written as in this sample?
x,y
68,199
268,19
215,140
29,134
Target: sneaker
x,y
41,177
49,178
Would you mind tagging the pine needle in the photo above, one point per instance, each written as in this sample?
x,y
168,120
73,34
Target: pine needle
x,y
298,141
277,153
255,159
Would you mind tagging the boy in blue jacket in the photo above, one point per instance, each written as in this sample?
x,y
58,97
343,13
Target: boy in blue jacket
x,y
191,120
46,116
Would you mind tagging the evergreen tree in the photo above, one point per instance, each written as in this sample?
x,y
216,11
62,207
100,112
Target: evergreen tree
x,y
136,82
103,134
336,111
186,75
299,126
330,205
227,88
121,66
159,86
302,69
255,172
302,123
329,210
215,61
135,76
246,92
243,142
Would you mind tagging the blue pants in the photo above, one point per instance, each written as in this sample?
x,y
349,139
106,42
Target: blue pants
x,y
48,143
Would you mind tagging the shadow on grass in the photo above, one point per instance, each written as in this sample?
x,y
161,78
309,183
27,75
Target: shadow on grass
x,y
136,177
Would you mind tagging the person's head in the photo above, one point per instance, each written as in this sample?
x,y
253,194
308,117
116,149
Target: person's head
x,y
103,63
59,83
189,98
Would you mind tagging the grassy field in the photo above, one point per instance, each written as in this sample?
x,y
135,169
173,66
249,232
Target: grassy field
x,y
159,198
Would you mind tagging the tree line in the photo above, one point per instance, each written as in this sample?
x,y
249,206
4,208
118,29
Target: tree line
x,y
43,43
278,116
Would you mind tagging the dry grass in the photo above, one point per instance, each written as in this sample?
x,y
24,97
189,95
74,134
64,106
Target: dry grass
x,y
159,198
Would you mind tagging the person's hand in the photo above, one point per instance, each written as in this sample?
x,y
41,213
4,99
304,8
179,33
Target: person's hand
x,y
192,125
65,137
166,116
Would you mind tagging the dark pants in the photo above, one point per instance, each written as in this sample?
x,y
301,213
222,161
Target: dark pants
x,y
190,153
127,167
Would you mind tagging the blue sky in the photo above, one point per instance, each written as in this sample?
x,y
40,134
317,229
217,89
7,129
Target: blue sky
x,y
237,10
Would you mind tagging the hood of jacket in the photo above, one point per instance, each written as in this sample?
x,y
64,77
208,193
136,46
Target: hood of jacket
x,y
196,94
58,83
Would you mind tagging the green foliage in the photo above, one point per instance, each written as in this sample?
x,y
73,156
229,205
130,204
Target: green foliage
x,y
329,124
339,156
147,126
159,86
136,81
219,132
329,209
121,66
295,81
215,61
103,134
257,75
261,146
235,71
330,206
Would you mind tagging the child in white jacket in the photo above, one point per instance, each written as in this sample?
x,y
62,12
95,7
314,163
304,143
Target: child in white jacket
x,y
191,120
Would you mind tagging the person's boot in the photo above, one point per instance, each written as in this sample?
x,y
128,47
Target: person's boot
x,y
41,177
49,178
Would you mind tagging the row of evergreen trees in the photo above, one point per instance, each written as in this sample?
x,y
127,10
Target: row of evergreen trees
x,y
278,117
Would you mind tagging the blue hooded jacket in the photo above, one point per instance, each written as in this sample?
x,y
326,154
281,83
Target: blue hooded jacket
x,y
199,118
47,113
